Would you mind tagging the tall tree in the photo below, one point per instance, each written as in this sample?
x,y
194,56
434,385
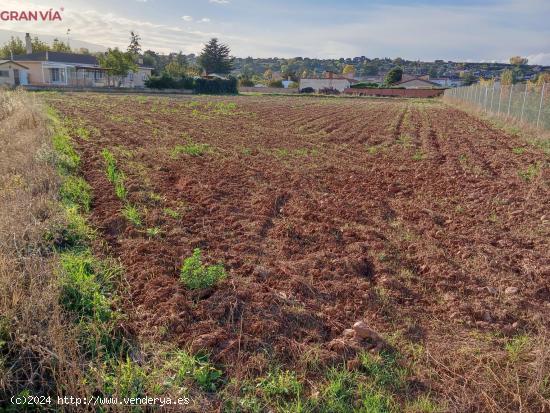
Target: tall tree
x,y
394,75
215,58
134,47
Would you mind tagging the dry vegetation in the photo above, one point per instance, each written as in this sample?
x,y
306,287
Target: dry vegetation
x,y
234,242
38,350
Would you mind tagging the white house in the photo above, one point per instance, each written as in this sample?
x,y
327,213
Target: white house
x,y
13,73
331,81
71,69
416,83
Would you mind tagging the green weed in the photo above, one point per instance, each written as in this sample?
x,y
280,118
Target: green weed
x,y
516,346
418,155
530,173
197,369
172,213
153,232
131,213
82,293
192,149
518,151
196,275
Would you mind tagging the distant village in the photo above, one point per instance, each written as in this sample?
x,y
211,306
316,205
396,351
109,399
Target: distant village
x,y
37,64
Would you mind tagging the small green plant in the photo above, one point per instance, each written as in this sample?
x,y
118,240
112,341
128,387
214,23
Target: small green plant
x,y
196,275
280,384
516,346
127,379
493,218
518,150
172,213
374,149
338,394
418,155
192,149
423,404
115,176
383,369
67,160
404,140
530,173
153,232
81,286
197,368
131,213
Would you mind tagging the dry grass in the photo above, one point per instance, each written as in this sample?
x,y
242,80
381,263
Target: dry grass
x,y
38,349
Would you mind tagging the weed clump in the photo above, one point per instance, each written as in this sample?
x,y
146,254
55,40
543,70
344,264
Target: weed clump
x,y
195,275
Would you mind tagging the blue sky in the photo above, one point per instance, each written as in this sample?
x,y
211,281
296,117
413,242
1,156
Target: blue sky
x,y
415,29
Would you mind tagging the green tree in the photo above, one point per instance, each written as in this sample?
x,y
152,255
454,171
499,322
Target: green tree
x,y
394,75
15,45
120,63
38,45
58,46
467,78
215,58
348,69
175,69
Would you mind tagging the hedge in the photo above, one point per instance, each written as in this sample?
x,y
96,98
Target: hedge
x,y
216,86
165,81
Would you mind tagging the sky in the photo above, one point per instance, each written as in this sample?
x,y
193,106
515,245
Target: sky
x,y
467,30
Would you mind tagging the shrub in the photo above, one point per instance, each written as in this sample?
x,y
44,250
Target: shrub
x,y
216,86
329,91
307,90
165,81
365,85
246,82
196,275
276,83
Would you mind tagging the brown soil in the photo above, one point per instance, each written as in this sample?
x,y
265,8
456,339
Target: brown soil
x,y
411,216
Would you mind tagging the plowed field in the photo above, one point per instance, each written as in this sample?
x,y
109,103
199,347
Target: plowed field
x,y
425,222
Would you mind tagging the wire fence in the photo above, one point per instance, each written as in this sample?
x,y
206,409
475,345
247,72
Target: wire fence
x,y
522,102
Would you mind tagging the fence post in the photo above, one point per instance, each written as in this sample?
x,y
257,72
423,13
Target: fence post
x,y
510,100
492,96
499,96
523,105
485,99
540,104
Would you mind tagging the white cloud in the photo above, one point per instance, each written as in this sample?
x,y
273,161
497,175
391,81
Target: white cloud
x,y
488,31
220,1
539,59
